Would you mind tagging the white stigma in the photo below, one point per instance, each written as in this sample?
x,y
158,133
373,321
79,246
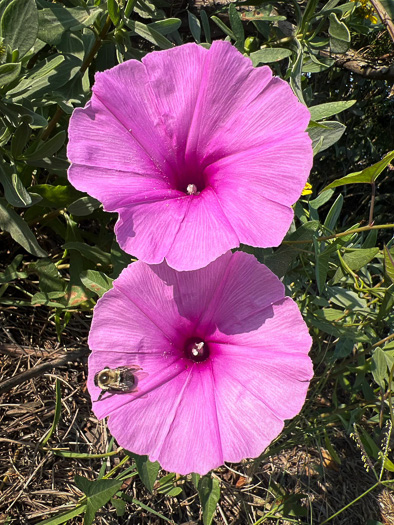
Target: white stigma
x,y
192,189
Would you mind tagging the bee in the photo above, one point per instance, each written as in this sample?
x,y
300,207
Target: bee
x,y
114,380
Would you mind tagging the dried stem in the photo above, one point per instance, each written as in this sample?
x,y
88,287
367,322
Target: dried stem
x,y
384,17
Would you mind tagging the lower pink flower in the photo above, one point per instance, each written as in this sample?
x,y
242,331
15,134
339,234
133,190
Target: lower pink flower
x,y
220,358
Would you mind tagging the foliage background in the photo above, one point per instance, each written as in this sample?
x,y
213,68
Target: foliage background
x,y
59,254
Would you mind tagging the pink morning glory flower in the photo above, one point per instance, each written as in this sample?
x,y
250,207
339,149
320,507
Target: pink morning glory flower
x,y
195,149
217,360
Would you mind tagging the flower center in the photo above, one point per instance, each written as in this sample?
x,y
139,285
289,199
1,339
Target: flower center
x,y
196,350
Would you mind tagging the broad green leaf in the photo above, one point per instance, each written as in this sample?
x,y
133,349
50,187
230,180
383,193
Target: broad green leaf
x,y
343,348
13,223
319,201
19,25
366,176
98,493
93,253
266,56
119,505
83,206
56,19
237,27
97,282
164,27
339,35
48,299
195,26
209,493
48,148
14,191
388,263
329,109
9,72
147,470
322,259
333,132
355,260
379,367
151,35
114,11
55,196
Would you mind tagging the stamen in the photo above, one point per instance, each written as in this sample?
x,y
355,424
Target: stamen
x,y
192,189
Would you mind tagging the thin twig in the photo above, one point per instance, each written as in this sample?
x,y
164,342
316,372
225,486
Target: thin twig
x,y
36,371
384,17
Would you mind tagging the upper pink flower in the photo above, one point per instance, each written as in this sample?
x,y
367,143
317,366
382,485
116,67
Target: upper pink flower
x,y
195,149
220,357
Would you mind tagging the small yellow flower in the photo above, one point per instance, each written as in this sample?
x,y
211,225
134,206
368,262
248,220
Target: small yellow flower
x,y
307,190
367,11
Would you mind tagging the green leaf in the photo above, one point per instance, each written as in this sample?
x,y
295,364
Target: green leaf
x,y
296,73
93,253
9,72
19,25
55,20
119,505
56,417
55,196
151,35
339,35
333,214
388,263
345,298
355,260
331,134
223,27
195,27
98,493
48,299
65,517
13,223
205,26
48,148
11,273
366,176
329,109
266,56
83,206
379,367
50,279
237,27
147,470
20,139
97,282
164,27
280,261
209,493
47,76
14,191
114,11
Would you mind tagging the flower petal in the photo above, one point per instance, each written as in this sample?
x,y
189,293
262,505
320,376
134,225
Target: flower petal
x,y
204,234
147,230
276,171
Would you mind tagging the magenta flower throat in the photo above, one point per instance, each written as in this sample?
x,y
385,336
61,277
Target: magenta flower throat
x,y
216,359
196,150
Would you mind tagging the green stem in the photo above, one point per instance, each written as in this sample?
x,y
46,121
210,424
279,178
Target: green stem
x,y
343,234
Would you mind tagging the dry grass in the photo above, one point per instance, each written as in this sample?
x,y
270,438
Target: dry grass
x,y
36,484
